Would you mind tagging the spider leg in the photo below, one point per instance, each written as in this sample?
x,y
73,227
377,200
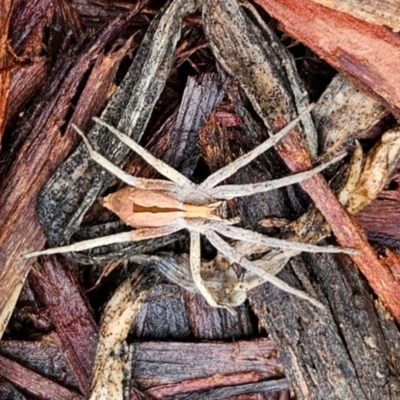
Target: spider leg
x,y
132,236
231,191
240,162
234,256
157,164
195,266
246,235
140,183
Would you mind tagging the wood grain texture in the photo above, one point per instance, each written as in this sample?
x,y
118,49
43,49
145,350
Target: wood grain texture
x,y
373,11
38,386
73,321
175,362
362,51
6,61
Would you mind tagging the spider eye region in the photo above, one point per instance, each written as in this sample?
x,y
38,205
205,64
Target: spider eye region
x,y
152,208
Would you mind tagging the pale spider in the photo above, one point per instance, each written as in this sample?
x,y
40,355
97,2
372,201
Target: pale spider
x,y
157,208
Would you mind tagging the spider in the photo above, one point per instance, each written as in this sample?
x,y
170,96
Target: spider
x,y
157,208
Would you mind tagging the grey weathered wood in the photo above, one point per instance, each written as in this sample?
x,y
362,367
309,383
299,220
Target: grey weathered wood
x,y
79,181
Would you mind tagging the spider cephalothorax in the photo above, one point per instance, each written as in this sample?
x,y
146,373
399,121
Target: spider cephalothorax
x,y
157,208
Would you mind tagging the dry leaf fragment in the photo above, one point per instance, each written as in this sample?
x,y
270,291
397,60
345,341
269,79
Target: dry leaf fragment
x,y
376,172
354,173
342,112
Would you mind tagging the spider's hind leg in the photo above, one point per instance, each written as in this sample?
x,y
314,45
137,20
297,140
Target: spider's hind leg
x,y
234,256
247,235
132,236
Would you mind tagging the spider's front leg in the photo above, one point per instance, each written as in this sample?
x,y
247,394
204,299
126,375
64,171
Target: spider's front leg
x,y
140,183
159,165
234,166
249,189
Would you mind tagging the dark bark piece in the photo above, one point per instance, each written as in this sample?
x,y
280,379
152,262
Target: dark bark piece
x,y
171,312
355,352
9,392
200,98
33,383
263,388
208,323
70,315
25,84
162,363
29,21
381,220
29,309
163,316
97,13
45,356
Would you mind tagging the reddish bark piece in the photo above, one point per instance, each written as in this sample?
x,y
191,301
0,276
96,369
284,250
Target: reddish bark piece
x,y
98,87
194,385
373,11
34,383
344,227
362,51
208,323
381,219
392,261
44,149
29,21
165,363
24,84
71,317
6,61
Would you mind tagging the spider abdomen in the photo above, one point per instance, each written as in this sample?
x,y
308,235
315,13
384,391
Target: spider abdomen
x,y
155,208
